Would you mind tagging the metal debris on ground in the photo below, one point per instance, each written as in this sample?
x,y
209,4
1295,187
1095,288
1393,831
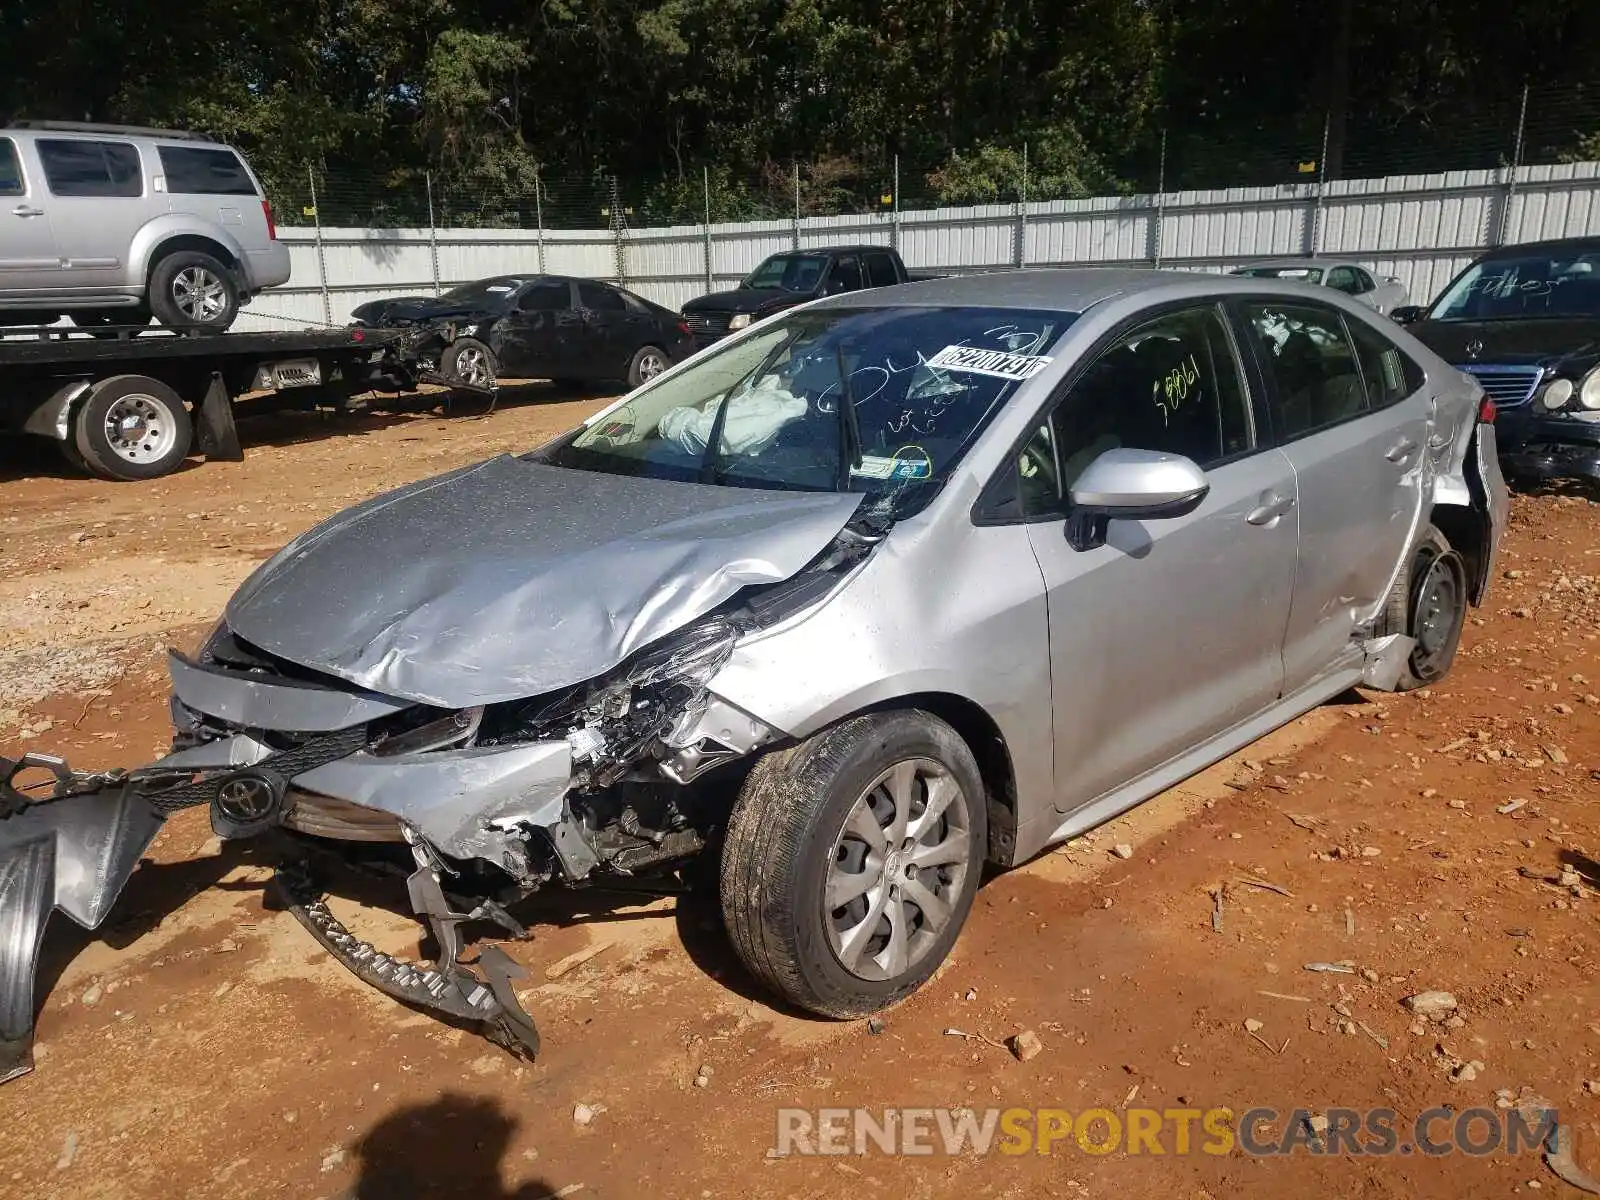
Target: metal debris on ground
x,y
1266,887
1216,908
1332,968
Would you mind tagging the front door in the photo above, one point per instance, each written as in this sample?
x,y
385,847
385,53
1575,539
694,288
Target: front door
x,y
28,260
535,339
606,343
1354,417
1171,632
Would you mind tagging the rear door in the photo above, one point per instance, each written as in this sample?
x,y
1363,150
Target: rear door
x,y
881,269
606,340
539,332
1358,462
98,201
28,259
845,275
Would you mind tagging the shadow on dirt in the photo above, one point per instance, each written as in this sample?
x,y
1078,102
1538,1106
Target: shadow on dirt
x,y
452,1146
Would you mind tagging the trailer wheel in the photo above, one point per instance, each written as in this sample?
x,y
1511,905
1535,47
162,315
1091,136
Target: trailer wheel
x,y
132,427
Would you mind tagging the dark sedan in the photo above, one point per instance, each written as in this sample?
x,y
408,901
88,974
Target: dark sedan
x,y
1525,321
542,327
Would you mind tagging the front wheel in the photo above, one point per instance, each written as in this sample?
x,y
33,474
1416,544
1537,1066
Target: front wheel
x,y
1428,603
851,861
469,361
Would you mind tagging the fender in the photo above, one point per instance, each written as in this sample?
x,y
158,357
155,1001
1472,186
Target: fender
x,y
154,233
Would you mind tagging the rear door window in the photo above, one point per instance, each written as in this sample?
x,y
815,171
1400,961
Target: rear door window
x,y
599,297
1307,354
880,271
204,171
10,170
1389,375
847,273
77,167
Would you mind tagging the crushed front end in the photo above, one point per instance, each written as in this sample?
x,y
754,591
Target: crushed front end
x,y
478,808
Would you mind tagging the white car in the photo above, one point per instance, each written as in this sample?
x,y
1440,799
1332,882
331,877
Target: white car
x,y
1383,292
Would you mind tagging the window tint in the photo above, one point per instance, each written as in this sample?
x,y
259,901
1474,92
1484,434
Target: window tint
x,y
1364,282
546,297
1389,375
1305,352
10,169
846,273
82,168
880,271
599,297
1172,384
1343,279
193,171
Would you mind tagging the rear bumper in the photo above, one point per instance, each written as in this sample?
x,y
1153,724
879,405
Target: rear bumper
x,y
267,267
1549,446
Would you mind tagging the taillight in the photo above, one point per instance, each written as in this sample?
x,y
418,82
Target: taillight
x,y
272,226
1486,411
683,328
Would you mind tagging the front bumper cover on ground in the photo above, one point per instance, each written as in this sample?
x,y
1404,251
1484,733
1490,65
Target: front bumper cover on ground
x,y
75,849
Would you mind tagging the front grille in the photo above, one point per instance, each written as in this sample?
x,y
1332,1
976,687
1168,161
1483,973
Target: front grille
x,y
707,324
1506,386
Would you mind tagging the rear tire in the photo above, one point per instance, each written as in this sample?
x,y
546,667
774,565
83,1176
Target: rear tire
x,y
193,290
647,363
132,427
1429,603
837,891
467,360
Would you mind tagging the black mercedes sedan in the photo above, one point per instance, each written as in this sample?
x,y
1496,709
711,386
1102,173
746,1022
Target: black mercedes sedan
x,y
1525,321
541,327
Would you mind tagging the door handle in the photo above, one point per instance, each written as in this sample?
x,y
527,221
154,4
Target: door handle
x,y
23,210
1401,450
1272,507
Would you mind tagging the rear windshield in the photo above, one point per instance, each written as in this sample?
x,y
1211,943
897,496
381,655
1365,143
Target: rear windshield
x,y
1299,274
196,171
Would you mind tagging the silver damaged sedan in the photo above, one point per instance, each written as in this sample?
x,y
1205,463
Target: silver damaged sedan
x,y
883,589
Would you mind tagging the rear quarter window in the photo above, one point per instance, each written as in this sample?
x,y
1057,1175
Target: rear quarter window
x,y
208,171
78,167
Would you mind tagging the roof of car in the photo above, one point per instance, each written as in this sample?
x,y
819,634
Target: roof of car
x,y
1062,289
1558,245
1290,263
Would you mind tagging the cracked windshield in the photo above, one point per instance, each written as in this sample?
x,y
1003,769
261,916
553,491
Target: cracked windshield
x,y
880,400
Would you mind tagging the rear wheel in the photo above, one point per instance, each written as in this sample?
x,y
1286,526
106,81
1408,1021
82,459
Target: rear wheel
x,y
649,362
1428,603
469,361
193,290
851,861
132,427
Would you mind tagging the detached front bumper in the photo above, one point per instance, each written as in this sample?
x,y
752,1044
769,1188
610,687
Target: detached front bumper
x,y
1541,446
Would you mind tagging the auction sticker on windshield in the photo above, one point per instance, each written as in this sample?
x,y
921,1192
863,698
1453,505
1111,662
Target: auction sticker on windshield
x,y
979,361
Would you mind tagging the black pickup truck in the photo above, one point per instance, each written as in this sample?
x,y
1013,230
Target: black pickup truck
x,y
791,278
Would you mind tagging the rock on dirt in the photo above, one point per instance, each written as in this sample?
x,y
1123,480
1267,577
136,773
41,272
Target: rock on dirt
x,y
1433,1006
1025,1045
1122,850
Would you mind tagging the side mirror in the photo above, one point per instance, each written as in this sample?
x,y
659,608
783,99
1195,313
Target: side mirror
x,y
1134,485
1407,314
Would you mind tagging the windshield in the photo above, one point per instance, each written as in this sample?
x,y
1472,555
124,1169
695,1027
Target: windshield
x,y
1511,287
790,272
921,384
1301,274
484,290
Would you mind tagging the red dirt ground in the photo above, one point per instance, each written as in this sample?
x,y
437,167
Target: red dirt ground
x,y
201,1045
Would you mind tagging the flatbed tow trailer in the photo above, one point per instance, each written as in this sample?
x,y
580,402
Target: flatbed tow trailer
x,y
132,403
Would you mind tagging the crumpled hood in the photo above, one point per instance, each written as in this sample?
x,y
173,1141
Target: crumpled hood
x,y
513,578
410,310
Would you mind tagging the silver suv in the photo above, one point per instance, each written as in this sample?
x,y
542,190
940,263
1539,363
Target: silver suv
x,y
112,224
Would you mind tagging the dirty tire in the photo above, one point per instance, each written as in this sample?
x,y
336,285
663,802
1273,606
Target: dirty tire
x,y
193,290
647,363
469,361
132,427
1436,619
780,847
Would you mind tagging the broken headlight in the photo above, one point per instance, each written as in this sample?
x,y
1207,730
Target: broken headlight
x,y
614,721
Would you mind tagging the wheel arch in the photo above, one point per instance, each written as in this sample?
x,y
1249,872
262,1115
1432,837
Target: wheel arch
x,y
1467,531
988,744
164,245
